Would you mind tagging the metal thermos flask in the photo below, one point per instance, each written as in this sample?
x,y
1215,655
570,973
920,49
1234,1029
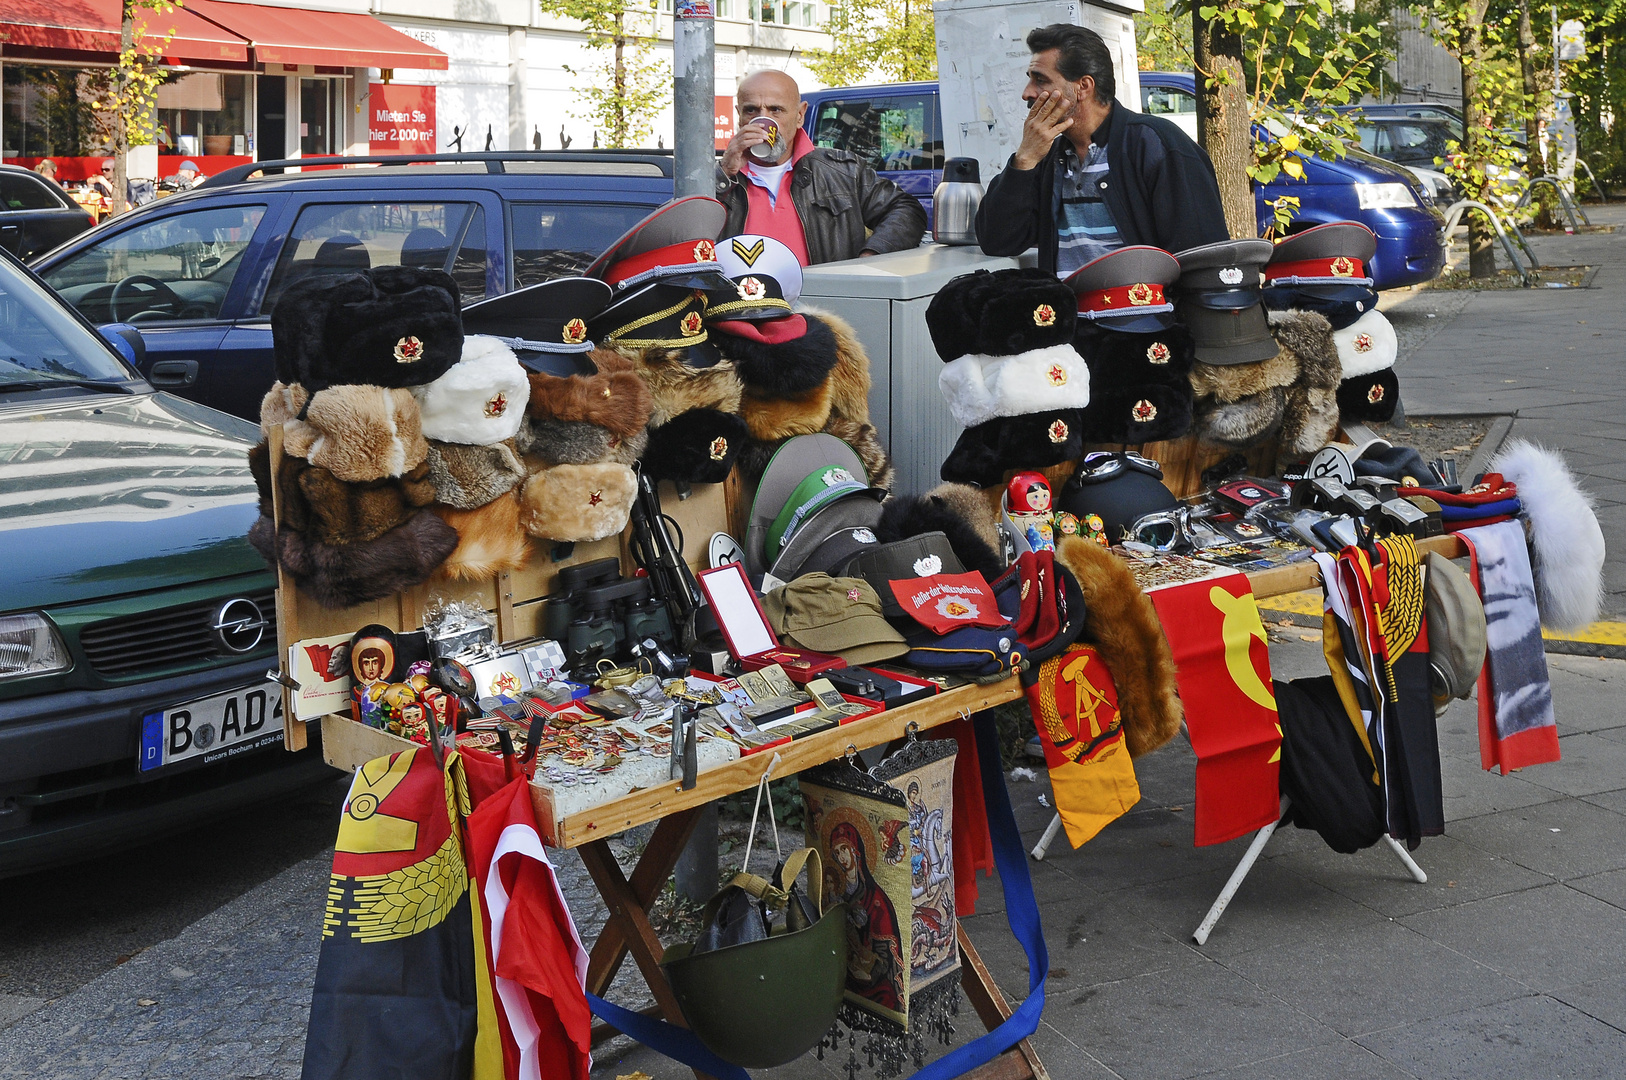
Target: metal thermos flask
x,y
955,202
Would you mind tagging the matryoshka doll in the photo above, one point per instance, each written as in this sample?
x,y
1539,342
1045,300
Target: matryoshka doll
x,y
1027,504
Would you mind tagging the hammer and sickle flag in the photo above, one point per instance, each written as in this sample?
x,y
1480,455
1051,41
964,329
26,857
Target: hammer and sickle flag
x,y
1075,708
1223,673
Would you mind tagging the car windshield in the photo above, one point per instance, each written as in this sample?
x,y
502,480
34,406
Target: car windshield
x,y
40,342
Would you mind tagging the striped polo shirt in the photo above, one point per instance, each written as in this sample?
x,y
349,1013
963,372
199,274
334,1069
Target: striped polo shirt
x,y
1084,225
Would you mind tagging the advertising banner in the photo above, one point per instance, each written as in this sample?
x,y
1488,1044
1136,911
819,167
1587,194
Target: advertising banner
x,y
400,119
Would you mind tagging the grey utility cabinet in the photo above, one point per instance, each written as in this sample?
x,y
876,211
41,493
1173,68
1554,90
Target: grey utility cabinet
x,y
884,297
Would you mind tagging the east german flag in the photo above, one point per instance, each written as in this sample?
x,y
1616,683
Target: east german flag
x,y
1075,708
1222,662
396,989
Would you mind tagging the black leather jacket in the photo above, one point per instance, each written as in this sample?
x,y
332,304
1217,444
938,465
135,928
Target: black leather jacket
x,y
1160,190
844,207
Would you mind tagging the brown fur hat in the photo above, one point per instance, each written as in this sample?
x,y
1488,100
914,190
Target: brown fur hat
x,y
1308,336
615,399
755,454
1226,383
1241,424
578,502
1121,623
361,433
773,418
974,507
676,387
849,379
959,512
466,477
576,442
351,513
489,540
1309,419
281,405
344,575
862,437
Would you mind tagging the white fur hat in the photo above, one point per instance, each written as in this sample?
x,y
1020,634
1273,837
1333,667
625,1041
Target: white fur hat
x,y
982,388
480,400
1366,345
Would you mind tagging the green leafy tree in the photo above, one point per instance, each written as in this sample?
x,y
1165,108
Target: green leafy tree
x,y
1285,67
124,97
1157,49
623,94
897,38
1486,164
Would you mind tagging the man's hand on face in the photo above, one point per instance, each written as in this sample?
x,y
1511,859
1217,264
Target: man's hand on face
x,y
1050,114
734,153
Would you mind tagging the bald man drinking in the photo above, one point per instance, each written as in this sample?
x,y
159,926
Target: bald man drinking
x,y
823,204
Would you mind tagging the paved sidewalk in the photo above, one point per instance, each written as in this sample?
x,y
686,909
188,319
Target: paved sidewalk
x,y
1549,357
1509,963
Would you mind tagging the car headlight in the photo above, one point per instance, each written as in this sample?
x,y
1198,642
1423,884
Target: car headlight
x,y
1385,196
30,645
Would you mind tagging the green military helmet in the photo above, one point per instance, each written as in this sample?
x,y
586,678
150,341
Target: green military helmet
x,y
767,1002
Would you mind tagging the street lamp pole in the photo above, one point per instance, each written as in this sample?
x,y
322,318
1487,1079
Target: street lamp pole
x,y
694,86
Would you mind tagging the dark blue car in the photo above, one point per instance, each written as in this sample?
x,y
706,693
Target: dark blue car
x,y
899,129
198,273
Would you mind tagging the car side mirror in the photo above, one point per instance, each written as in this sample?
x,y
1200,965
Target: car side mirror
x,y
127,342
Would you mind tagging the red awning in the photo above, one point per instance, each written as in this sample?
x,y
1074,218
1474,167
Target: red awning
x,y
330,38
93,26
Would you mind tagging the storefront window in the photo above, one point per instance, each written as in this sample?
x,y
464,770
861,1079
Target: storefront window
x,y
46,113
203,113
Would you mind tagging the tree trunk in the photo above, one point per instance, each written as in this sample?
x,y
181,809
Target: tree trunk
x,y
1481,237
121,125
1532,121
1224,126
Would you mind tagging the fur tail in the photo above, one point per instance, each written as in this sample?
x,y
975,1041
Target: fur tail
x,y
1121,623
1566,544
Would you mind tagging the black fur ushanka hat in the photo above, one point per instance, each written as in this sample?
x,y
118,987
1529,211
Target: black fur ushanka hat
x,y
391,326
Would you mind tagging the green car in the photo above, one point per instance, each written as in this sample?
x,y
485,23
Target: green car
x,y
136,623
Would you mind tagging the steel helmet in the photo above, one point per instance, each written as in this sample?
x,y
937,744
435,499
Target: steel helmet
x,y
765,1002
1118,488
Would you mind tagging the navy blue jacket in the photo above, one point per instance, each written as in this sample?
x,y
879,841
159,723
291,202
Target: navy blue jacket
x,y
1160,190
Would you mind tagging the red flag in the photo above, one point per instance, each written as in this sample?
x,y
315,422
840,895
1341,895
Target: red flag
x,y
1223,671
537,962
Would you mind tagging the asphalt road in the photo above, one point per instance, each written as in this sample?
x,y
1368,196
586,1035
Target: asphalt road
x,y
61,928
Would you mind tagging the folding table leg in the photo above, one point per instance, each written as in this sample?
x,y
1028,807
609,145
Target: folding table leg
x,y
1018,1063
1043,846
1405,856
628,929
649,876
1259,840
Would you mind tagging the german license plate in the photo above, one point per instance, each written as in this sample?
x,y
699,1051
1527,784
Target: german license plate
x,y
211,729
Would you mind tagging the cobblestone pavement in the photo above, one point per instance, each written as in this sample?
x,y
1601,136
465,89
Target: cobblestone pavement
x,y
226,998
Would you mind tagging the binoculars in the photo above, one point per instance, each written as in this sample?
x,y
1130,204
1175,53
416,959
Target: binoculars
x,y
597,615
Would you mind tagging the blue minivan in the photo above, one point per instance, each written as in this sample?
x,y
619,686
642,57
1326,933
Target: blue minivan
x,y
899,129
198,273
